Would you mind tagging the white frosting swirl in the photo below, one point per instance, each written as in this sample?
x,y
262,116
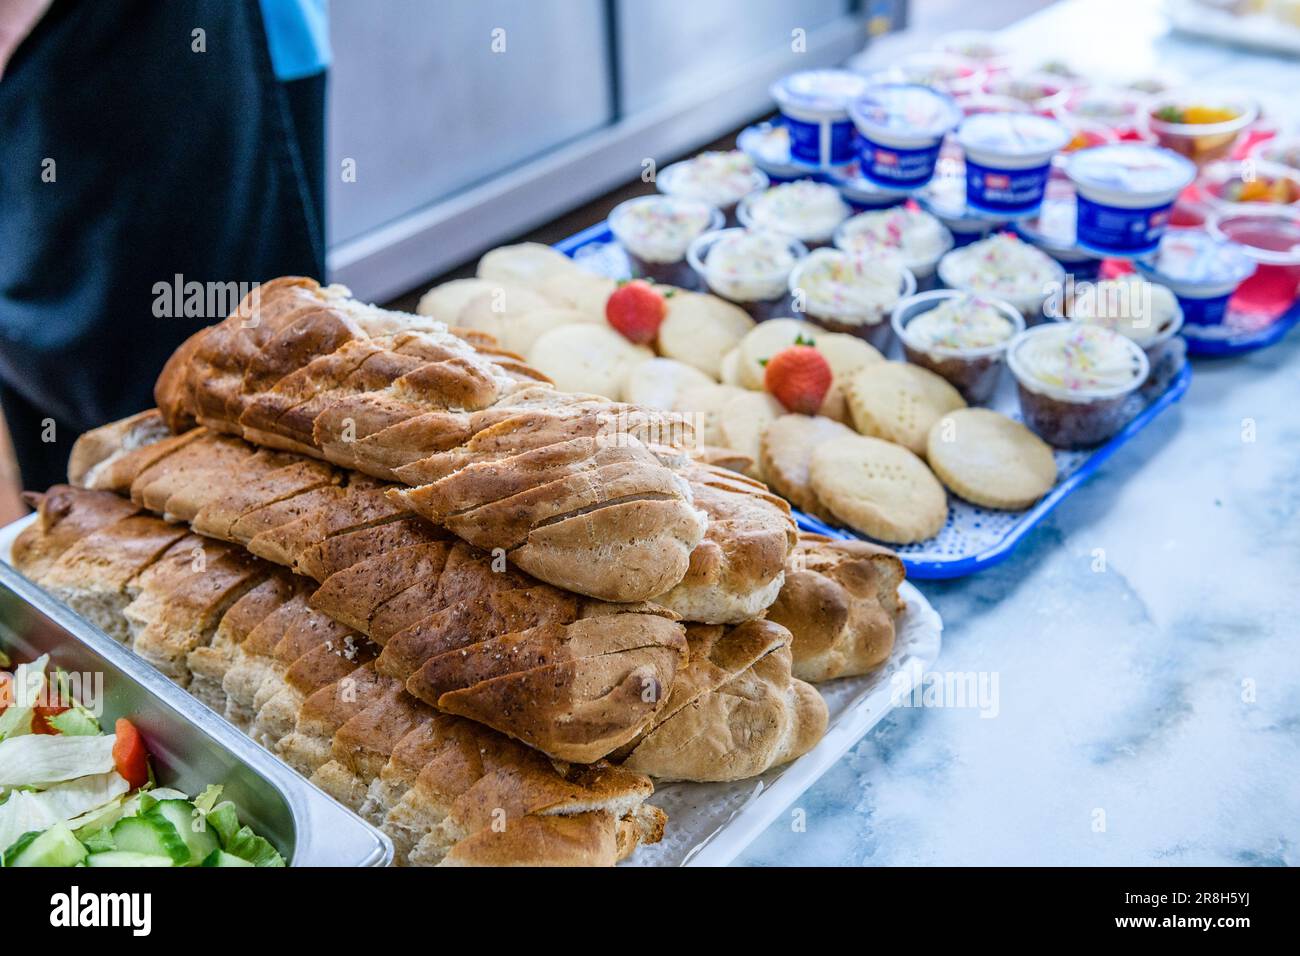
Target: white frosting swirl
x,y
1002,266
1077,362
1131,306
960,324
918,237
718,178
806,210
846,288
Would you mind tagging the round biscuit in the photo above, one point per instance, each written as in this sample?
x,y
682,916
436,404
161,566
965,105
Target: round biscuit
x,y
878,488
990,460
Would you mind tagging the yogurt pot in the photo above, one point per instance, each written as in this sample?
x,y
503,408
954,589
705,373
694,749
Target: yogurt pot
x,y
1052,231
861,193
1146,312
1008,161
1270,237
959,336
902,127
655,232
1007,268
917,237
805,210
1201,271
850,294
750,268
1075,381
1125,195
717,178
1043,91
814,106
977,46
945,199
768,147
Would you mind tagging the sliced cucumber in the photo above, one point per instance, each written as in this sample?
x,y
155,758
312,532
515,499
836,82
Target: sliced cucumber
x,y
123,858
222,858
181,815
152,835
54,847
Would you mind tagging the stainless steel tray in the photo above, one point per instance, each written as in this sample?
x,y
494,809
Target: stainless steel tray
x,y
191,746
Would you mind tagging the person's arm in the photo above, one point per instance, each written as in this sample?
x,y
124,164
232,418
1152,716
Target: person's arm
x,y
17,19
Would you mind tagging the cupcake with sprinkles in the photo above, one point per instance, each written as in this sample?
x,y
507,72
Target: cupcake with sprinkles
x,y
656,231
717,178
748,267
849,293
914,235
1075,381
961,336
1005,267
804,210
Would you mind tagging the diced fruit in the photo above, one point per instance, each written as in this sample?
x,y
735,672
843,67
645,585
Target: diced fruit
x,y
180,814
222,858
54,847
636,310
129,755
152,835
799,377
124,858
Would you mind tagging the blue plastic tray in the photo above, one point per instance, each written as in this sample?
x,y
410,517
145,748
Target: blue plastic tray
x,y
974,538
1246,342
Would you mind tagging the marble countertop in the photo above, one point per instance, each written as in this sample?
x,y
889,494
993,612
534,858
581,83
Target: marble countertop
x,y
1144,641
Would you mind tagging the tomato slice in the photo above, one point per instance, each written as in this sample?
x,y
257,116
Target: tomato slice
x,y
129,755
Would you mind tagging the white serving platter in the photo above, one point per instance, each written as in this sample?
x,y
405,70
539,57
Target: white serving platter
x,y
709,824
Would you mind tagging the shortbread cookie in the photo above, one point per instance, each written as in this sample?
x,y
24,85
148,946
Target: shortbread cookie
x,y
878,488
729,368
657,382
845,354
521,332
990,460
445,302
587,357
528,263
742,422
899,402
785,453
708,401
580,290
497,309
764,341
700,329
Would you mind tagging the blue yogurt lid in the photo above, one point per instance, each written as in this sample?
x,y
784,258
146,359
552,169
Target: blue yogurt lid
x,y
1194,257
818,91
906,109
1131,168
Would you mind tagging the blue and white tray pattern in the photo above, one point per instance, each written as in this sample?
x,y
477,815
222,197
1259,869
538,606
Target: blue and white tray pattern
x,y
974,538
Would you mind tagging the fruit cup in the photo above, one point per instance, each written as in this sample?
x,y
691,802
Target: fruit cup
x,y
1203,126
1270,237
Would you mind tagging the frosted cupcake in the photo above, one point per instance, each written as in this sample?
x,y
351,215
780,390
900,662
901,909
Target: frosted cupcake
x,y
1143,311
656,231
1007,268
718,179
804,210
959,335
1075,381
847,293
750,268
916,237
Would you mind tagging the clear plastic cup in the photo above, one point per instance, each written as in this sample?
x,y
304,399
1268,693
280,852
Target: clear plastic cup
x,y
973,371
1043,92
768,147
1122,111
754,275
719,179
1232,186
655,232
870,323
807,209
1201,142
1271,238
920,264
1278,149
977,46
1202,271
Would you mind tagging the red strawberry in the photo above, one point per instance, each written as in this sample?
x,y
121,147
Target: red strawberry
x,y
799,377
636,309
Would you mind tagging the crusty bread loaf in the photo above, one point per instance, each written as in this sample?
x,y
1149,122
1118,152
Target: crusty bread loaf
x,y
735,711
463,793
840,602
307,369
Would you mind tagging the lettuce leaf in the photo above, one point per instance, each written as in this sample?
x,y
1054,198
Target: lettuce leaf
x,y
38,760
